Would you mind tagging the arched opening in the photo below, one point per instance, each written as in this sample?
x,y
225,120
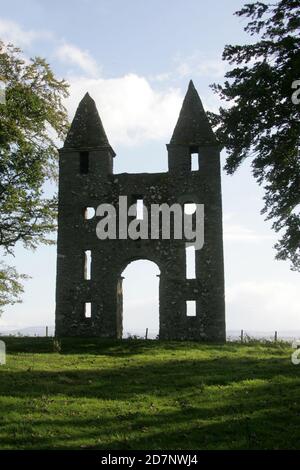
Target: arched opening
x,y
141,299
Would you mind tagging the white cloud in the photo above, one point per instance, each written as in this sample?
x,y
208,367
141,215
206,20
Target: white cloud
x,y
198,65
263,305
132,111
76,56
237,232
160,77
12,32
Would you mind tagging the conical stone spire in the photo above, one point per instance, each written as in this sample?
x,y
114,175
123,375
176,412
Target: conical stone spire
x,y
87,131
193,127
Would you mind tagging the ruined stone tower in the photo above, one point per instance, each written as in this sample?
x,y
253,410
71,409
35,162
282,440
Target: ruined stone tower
x,y
86,179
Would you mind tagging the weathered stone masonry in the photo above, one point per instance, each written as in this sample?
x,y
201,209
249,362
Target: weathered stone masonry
x,y
86,180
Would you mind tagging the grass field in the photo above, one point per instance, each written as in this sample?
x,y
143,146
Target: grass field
x,y
148,395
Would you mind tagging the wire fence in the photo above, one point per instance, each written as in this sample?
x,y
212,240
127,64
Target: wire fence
x,y
242,336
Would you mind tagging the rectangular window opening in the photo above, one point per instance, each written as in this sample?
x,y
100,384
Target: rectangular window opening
x,y
84,162
191,308
140,209
87,310
194,161
190,259
87,264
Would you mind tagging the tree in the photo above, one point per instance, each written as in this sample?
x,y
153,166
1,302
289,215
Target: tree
x,y
32,119
263,122
10,285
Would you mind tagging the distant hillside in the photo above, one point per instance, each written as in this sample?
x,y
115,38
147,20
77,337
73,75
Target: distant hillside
x,y
28,331
231,334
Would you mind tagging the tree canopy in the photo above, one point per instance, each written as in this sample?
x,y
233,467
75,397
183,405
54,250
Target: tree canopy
x,y
260,120
32,121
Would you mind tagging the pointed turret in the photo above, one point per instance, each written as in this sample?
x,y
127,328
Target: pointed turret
x,y
193,127
87,131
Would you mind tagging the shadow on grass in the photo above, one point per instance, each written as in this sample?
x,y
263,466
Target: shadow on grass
x,y
161,377
156,401
119,348
238,424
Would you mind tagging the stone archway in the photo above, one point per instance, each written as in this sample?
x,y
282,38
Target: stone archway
x,y
138,299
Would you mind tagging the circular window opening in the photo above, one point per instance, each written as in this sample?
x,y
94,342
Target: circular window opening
x,y
89,213
189,208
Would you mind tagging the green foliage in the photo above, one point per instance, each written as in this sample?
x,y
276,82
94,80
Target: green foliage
x,y
10,285
32,120
262,121
99,394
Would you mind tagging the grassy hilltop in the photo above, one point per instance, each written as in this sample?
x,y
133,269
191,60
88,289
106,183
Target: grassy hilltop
x,y
148,395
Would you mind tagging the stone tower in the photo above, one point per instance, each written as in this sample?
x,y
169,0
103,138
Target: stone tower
x,y
89,270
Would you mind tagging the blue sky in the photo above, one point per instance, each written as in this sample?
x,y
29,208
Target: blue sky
x,y
136,58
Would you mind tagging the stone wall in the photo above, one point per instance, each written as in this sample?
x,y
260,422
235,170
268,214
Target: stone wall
x,y
76,235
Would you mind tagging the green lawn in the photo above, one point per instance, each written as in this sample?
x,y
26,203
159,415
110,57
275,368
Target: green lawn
x,y
148,395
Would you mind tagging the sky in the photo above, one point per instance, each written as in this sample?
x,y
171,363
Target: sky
x,y
136,58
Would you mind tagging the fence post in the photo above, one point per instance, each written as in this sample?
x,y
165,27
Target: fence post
x,y
275,337
146,337
242,336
